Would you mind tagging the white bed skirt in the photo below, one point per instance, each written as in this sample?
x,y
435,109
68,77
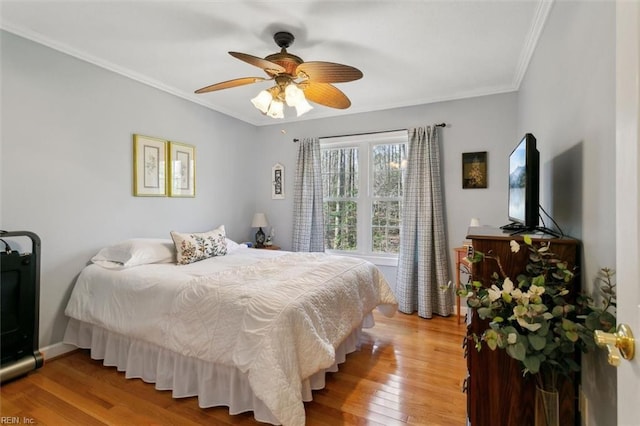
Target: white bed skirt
x,y
213,384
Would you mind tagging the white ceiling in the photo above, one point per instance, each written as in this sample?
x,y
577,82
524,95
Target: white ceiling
x,y
411,52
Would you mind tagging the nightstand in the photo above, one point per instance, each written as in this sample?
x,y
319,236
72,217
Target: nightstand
x,y
268,247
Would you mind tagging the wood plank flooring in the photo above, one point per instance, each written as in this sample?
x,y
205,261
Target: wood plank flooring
x,y
409,371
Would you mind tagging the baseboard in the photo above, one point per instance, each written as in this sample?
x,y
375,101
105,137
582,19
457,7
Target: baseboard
x,y
56,350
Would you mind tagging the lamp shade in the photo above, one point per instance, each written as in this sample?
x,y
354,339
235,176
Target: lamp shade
x,y
276,109
262,101
259,220
293,95
303,106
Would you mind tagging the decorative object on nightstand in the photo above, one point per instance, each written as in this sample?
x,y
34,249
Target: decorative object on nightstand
x,y
259,221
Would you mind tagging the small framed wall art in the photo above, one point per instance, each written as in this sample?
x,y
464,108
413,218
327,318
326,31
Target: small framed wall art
x,y
474,170
277,182
149,166
182,170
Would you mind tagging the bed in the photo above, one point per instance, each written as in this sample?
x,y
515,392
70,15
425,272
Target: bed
x,y
253,330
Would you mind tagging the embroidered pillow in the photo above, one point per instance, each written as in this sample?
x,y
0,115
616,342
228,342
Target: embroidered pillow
x,y
193,247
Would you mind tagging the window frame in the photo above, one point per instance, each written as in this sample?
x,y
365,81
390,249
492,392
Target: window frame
x,y
365,189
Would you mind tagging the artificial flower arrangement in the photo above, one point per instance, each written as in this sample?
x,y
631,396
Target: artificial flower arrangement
x,y
535,318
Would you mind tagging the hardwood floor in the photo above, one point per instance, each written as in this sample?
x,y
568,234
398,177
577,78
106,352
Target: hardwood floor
x,y
409,371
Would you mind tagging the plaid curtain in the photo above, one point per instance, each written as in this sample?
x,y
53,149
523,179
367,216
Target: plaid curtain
x,y
308,221
422,276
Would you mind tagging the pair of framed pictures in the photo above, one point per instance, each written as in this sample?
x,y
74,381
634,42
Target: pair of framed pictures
x,y
162,168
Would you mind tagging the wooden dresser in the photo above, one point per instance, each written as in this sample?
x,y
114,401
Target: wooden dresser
x,y
496,392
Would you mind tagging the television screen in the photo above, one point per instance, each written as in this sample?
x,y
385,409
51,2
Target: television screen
x,y
524,183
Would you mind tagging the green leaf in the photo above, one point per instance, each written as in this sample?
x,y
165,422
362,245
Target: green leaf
x,y
593,321
539,281
473,303
517,351
568,325
557,311
484,313
532,363
537,342
544,330
491,338
572,335
527,240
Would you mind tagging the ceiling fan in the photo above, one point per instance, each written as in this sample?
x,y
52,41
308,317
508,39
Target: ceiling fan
x,y
296,81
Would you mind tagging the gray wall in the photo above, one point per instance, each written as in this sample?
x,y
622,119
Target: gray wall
x,y
67,128
567,99
485,123
66,165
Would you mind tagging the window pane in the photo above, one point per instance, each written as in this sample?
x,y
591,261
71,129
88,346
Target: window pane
x,y
385,227
389,162
340,172
340,224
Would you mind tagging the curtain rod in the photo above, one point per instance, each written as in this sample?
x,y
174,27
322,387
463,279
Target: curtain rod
x,y
369,133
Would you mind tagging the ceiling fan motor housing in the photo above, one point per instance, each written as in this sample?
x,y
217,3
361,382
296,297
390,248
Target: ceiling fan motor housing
x,y
283,39
286,60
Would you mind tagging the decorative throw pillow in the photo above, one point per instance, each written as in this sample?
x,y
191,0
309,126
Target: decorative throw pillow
x,y
193,247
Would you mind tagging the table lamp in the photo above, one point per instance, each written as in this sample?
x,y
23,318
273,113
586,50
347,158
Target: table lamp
x,y
259,220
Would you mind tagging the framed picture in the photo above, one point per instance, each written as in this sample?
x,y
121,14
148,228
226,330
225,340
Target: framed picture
x,y
474,170
182,170
149,166
277,182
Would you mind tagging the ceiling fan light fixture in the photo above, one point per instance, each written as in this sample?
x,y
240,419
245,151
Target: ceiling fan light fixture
x,y
276,109
296,81
303,107
293,95
262,101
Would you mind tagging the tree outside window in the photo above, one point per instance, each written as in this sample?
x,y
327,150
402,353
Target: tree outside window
x,y
362,188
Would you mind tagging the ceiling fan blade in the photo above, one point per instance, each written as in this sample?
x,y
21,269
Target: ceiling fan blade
x,y
328,72
258,62
326,94
231,83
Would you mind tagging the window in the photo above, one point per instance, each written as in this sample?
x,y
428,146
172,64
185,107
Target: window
x,y
362,178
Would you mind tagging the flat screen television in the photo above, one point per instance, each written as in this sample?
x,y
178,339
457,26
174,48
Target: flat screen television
x,y
524,184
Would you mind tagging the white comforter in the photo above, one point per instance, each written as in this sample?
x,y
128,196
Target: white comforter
x,y
277,319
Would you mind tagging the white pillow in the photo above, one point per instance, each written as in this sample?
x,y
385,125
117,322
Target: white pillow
x,y
134,252
195,246
233,246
